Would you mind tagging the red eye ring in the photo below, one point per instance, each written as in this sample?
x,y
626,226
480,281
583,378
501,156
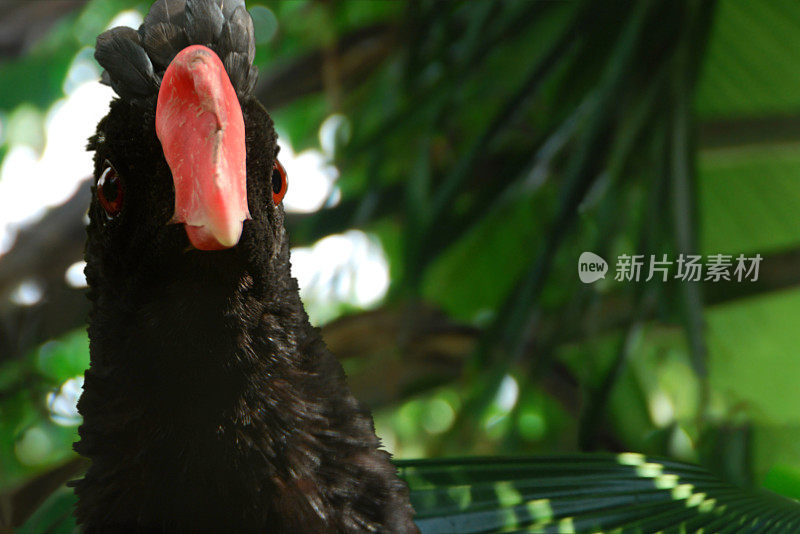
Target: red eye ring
x,y
110,191
279,182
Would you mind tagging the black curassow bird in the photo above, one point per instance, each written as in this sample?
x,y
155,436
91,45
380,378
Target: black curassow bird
x,y
211,404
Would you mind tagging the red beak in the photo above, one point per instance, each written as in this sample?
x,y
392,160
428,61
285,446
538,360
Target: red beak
x,y
200,125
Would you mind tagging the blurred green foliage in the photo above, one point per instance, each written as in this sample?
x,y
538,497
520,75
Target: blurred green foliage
x,y
491,145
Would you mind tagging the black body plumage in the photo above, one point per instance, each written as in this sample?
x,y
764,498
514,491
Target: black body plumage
x,y
211,404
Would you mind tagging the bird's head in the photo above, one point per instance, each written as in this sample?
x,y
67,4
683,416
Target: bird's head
x,y
186,158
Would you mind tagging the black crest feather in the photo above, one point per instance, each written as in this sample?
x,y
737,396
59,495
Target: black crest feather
x,y
134,62
238,69
237,34
163,41
169,11
204,21
130,69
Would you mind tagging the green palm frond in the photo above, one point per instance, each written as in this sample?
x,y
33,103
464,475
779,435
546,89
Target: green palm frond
x,y
587,493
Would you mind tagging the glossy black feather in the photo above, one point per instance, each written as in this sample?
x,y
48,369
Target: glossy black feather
x,y
238,34
238,69
229,6
168,11
162,41
204,21
252,78
135,61
130,69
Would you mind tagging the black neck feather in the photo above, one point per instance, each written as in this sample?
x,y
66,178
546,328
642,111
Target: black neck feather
x,y
212,404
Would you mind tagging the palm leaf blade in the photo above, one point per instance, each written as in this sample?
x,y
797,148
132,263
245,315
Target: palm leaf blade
x,y
586,493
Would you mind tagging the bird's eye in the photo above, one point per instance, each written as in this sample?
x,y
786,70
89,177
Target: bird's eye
x,y
279,182
109,191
